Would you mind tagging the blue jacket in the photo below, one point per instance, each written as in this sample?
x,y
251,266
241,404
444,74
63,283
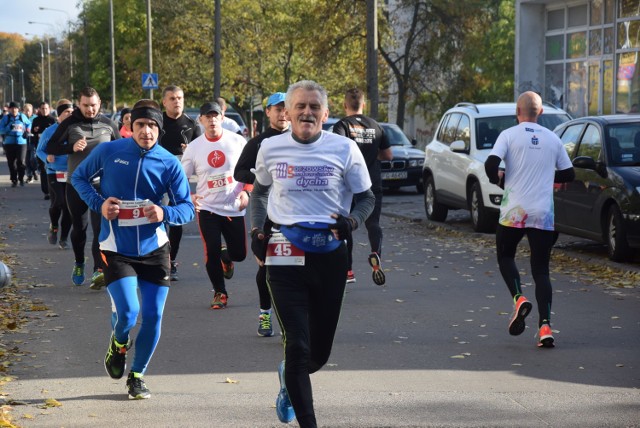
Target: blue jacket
x,y
60,164
14,127
131,173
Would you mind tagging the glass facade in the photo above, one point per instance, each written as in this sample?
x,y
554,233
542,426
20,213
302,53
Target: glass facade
x,y
591,57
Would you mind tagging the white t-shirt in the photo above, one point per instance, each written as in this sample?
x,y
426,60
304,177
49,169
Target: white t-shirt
x,y
309,182
213,162
230,124
531,154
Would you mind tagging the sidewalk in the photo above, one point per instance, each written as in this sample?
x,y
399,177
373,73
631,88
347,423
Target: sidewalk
x,y
428,350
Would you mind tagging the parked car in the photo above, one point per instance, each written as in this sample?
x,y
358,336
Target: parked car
x,y
231,113
405,169
603,202
328,125
453,172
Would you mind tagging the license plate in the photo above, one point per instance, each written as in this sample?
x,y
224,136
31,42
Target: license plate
x,y
394,175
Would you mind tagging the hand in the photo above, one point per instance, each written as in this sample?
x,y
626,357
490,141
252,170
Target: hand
x,y
244,200
259,242
80,145
195,199
51,158
343,227
154,213
110,208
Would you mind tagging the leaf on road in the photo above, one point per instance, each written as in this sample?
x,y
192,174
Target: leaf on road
x,y
52,402
459,357
229,380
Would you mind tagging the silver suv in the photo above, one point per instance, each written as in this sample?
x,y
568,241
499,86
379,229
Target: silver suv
x,y
453,171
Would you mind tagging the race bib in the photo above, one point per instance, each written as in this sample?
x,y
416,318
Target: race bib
x,y
219,182
61,176
281,252
131,213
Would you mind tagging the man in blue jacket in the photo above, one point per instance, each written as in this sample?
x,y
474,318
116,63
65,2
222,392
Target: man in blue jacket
x,y
134,174
15,127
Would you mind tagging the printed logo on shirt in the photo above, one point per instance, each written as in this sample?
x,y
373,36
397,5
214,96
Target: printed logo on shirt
x,y
361,135
123,162
311,175
529,129
216,158
534,140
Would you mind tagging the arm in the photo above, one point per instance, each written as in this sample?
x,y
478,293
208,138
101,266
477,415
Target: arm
x,y
247,161
56,144
82,176
181,210
340,128
564,176
42,146
363,207
491,167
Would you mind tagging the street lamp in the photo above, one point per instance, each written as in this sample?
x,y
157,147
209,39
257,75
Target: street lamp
x,y
41,65
11,77
48,54
70,43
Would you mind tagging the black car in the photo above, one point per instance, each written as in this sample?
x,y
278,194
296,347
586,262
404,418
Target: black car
x,y
405,169
603,202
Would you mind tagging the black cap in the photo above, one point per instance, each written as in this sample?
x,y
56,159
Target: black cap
x,y
210,107
14,104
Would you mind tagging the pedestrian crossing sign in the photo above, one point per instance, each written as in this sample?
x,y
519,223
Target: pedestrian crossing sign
x,y
149,80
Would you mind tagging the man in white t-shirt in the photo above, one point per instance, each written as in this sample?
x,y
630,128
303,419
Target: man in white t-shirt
x,y
227,122
305,183
220,201
534,159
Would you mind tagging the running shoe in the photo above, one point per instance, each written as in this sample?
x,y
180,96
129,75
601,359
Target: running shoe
x,y
227,264
46,197
63,245
520,311
265,327
173,274
284,409
545,337
219,301
97,280
77,276
29,179
351,277
52,236
137,388
21,183
377,274
115,362
14,183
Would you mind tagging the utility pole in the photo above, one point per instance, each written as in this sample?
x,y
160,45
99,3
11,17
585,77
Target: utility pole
x,y
149,44
113,58
216,53
372,57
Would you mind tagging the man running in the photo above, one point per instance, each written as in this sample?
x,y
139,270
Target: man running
x,y
56,176
15,128
305,183
178,131
374,145
278,124
220,201
534,159
135,174
85,129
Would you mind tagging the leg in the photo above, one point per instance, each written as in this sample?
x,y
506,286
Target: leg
x,y
79,220
373,226
124,296
175,236
235,235
541,242
210,230
20,161
11,152
507,239
153,300
96,219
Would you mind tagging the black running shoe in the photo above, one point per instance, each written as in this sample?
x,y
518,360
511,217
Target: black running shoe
x,y
52,236
173,274
137,388
115,362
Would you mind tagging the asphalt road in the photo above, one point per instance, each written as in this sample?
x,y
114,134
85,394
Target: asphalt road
x,y
430,349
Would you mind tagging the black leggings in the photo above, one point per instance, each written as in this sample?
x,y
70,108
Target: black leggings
x,y
58,211
540,242
212,228
80,214
16,154
307,301
374,231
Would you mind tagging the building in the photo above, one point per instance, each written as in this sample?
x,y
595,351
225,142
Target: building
x,y
581,56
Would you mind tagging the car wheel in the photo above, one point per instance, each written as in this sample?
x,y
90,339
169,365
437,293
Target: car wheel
x,y
616,238
482,219
434,210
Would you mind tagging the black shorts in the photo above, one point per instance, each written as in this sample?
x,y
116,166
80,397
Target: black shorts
x,y
153,267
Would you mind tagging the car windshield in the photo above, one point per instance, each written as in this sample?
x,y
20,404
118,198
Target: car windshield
x,y
395,135
488,128
624,144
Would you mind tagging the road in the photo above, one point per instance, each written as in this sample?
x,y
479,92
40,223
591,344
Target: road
x,y
430,349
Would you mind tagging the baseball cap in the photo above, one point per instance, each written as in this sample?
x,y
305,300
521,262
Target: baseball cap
x,y
210,107
14,104
276,98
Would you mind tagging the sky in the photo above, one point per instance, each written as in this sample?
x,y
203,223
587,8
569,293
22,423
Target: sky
x,y
16,14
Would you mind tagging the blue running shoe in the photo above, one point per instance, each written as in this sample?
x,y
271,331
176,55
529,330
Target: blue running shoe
x,y
77,276
284,409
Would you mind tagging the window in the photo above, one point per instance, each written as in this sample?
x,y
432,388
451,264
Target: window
x,y
591,143
555,19
463,132
555,47
570,137
595,42
577,16
451,128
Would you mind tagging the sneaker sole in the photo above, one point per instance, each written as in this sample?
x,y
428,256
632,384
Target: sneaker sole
x,y
378,275
351,280
517,325
546,342
139,396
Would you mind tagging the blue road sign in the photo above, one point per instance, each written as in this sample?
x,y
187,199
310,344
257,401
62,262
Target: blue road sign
x,y
149,80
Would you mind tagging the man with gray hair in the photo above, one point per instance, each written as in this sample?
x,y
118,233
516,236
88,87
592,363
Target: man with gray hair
x,y
305,183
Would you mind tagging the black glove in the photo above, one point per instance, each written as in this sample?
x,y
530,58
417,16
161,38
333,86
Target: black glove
x,y
259,241
343,227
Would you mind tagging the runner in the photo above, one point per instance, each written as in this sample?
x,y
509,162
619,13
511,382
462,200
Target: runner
x,y
56,176
135,174
220,201
85,129
313,176
278,124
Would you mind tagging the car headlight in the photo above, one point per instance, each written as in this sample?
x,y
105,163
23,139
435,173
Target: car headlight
x,y
415,162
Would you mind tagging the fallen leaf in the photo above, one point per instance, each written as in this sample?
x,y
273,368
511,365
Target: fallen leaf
x,y
229,380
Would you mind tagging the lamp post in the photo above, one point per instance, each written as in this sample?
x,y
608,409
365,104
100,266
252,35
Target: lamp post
x,y
48,54
10,77
41,65
24,99
70,43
